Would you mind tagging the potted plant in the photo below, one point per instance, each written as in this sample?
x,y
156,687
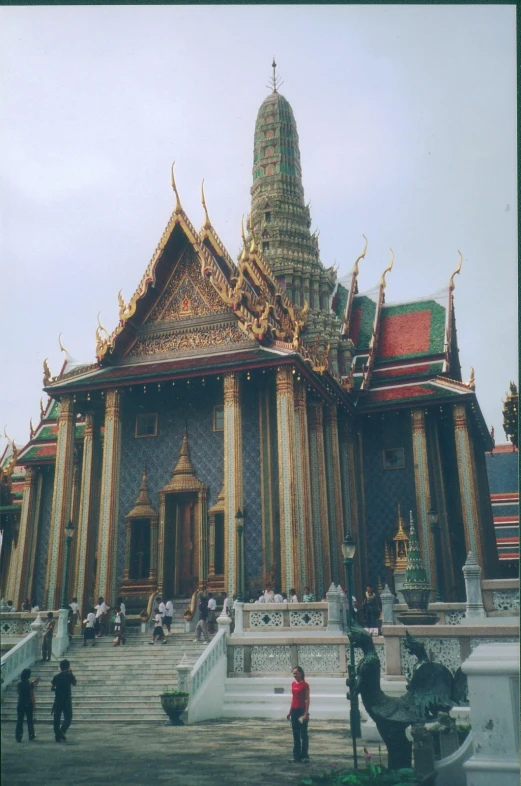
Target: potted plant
x,y
174,703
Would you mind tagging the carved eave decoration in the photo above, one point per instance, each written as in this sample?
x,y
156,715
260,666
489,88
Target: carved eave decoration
x,y
143,508
183,476
373,346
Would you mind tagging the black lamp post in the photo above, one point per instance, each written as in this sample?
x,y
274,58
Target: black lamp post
x,y
69,532
239,518
348,550
434,522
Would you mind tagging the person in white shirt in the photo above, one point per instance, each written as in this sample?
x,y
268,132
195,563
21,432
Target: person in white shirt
x,y
158,634
261,598
169,615
269,595
227,605
10,606
212,615
88,631
293,596
277,598
101,618
34,605
75,614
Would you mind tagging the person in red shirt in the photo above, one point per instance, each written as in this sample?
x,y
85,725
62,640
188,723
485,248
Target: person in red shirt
x,y
299,715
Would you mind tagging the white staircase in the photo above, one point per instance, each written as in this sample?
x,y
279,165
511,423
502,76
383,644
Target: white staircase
x,y
270,697
115,684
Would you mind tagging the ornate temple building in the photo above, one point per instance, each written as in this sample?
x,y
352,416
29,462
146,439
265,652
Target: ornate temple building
x,y
262,385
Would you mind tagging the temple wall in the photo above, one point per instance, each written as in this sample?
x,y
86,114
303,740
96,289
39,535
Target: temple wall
x,y
193,408
384,488
253,551
44,529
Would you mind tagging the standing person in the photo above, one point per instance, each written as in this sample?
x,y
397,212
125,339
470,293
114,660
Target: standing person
x,y
169,615
227,605
308,596
371,609
25,705
75,613
299,715
212,606
88,630
119,622
161,608
34,605
122,619
158,634
269,595
293,595
26,605
101,617
202,625
47,636
10,606
61,685
278,597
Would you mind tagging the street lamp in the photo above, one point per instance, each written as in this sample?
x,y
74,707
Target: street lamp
x,y
69,532
434,520
239,519
348,550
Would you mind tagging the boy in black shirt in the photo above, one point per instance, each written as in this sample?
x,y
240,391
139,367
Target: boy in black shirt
x,y
25,705
61,685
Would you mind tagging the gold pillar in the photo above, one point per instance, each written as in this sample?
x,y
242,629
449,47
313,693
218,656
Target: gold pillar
x,y
350,508
336,516
467,482
86,510
61,500
305,535
128,536
109,499
33,537
287,479
18,574
423,493
232,476
319,497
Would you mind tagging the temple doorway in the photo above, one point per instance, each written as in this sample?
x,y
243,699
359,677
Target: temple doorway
x,y
181,545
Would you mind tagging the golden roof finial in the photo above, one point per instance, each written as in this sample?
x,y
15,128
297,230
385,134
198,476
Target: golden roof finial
x,y
62,348
46,373
100,326
42,409
472,381
178,207
207,223
362,255
32,429
456,272
492,437
244,255
6,435
253,246
121,303
387,270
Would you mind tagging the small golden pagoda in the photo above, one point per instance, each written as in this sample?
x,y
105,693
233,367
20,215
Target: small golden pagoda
x,y
401,544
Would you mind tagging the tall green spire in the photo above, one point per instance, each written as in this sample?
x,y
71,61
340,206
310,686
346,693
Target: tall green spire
x,y
281,218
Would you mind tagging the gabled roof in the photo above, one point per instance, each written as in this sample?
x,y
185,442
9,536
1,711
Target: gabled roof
x,y
41,448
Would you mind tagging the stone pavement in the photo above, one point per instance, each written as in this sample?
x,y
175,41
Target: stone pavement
x,y
215,753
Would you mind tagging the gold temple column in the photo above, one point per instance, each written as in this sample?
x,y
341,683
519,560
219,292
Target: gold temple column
x,y
109,499
18,576
232,476
61,500
350,508
467,482
305,533
423,493
154,527
319,498
336,515
289,537
33,537
86,509
128,536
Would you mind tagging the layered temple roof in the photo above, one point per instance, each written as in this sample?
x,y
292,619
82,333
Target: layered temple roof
x,y
196,311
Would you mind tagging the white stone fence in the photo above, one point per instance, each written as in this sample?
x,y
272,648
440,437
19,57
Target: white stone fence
x,y
22,655
18,623
206,679
270,616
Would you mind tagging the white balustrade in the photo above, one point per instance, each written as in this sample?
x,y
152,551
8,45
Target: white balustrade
x,y
23,654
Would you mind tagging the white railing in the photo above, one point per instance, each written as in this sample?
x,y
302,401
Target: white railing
x,y
22,655
216,650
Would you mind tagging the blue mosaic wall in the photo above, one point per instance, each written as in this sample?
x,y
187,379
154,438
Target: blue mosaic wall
x,y
385,488
193,407
253,555
43,535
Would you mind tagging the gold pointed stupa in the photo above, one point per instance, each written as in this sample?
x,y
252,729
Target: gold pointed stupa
x,y
183,475
401,541
143,508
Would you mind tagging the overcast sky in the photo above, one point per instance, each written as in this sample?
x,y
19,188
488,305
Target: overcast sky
x,y
407,124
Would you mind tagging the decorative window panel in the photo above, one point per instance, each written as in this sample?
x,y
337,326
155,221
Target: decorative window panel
x,y
306,619
238,660
266,619
505,600
271,658
444,650
318,657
